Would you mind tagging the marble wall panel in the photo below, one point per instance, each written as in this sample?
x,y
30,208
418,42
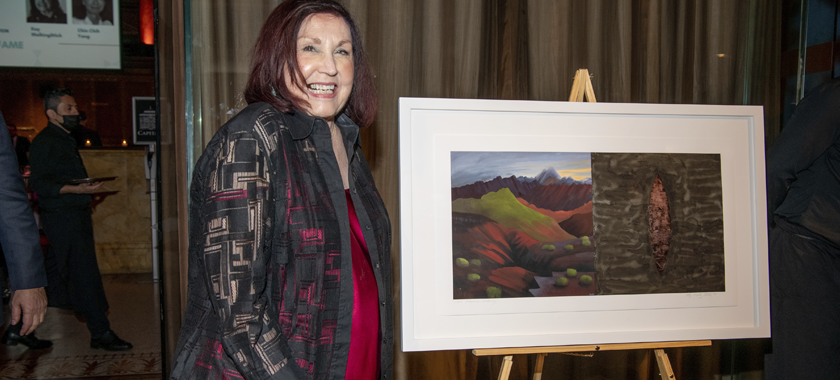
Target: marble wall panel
x,y
122,217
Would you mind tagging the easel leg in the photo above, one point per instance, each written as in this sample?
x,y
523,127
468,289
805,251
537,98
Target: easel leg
x,y
538,367
578,86
582,87
665,370
506,364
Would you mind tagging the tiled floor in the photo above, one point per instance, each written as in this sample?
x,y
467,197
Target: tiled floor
x,y
134,315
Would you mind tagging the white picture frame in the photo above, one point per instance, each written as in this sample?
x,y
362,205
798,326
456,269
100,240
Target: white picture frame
x,y
430,129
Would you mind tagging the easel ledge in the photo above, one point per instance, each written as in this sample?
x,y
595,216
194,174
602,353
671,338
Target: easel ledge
x,y
665,371
589,347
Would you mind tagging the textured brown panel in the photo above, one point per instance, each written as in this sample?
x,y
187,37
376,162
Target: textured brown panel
x,y
623,233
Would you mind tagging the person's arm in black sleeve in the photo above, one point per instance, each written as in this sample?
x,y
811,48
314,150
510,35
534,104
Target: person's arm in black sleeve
x,y
236,257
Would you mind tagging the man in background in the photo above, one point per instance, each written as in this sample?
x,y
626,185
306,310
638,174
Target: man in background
x,y
803,195
22,250
72,269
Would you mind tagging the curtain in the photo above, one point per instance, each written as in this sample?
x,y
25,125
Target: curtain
x,y
646,51
221,37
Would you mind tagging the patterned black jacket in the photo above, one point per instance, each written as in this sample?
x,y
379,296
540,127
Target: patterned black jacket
x,y
270,276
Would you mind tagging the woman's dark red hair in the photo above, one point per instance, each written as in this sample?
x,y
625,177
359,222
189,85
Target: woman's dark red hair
x,y
276,51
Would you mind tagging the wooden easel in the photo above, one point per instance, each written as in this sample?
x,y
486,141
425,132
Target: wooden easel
x,y
665,370
582,88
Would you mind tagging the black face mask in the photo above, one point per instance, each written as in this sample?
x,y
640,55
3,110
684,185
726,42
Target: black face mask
x,y
70,122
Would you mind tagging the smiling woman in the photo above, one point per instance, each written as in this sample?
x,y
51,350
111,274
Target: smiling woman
x,y
277,61
325,59
290,245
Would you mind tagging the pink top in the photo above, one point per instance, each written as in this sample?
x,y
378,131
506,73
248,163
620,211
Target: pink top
x,y
363,360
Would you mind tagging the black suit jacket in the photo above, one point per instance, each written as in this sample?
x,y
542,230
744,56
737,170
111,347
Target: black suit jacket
x,y
18,231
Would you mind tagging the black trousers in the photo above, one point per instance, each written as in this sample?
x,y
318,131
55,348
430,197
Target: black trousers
x,y
73,277
805,307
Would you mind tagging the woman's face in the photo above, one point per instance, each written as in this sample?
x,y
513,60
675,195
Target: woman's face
x,y
94,6
43,6
325,57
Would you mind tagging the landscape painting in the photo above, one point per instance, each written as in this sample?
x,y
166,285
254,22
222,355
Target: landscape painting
x,y
545,224
522,224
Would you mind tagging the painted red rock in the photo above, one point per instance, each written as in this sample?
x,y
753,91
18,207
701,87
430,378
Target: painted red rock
x,y
660,224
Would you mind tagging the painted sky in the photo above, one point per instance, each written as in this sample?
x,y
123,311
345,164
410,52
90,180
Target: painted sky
x,y
470,167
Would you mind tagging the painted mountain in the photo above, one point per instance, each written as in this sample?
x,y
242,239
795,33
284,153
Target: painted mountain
x,y
522,224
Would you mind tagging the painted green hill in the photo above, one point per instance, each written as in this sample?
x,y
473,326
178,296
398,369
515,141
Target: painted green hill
x,y
503,208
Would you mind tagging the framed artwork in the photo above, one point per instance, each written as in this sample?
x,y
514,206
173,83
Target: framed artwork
x,y
529,223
